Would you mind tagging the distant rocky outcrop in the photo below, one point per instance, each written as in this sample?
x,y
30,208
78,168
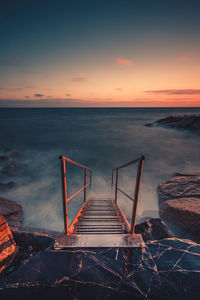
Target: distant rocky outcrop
x,y
179,203
187,122
12,212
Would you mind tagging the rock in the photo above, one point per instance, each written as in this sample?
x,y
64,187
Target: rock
x,y
153,229
16,154
3,158
12,211
166,269
7,149
187,122
36,241
12,168
179,204
4,187
8,249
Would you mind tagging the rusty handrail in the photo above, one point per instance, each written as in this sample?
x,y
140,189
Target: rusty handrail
x,y
140,161
64,187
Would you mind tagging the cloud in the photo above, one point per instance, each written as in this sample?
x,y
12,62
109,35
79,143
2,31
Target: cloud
x,y
184,58
124,62
27,97
176,92
67,95
11,89
39,95
79,79
119,89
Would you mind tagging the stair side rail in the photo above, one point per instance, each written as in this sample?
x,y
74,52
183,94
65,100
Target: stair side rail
x,y
66,199
135,200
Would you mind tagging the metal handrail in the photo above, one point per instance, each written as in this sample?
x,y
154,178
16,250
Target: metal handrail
x,y
137,188
64,187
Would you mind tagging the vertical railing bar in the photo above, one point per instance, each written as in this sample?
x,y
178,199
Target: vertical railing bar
x,y
64,194
136,195
85,183
90,179
112,176
116,184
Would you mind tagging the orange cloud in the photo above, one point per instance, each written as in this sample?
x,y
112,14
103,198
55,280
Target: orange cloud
x,y
79,79
184,58
124,62
119,89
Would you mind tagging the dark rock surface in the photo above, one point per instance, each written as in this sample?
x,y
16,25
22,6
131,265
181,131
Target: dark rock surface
x,y
4,187
12,168
179,201
153,229
187,122
3,158
12,212
166,269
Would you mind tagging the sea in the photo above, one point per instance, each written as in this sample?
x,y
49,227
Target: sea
x,y
101,139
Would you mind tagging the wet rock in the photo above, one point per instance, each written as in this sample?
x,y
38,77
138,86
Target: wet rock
x,y
12,168
7,149
179,203
4,187
187,122
3,158
16,154
36,241
166,269
8,249
12,212
153,229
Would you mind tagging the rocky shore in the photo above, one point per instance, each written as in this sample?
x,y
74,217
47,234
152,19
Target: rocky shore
x,y
186,122
166,268
158,271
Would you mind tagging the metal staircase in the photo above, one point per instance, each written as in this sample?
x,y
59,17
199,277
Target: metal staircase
x,y
100,222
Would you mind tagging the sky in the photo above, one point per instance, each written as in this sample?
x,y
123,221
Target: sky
x,y
123,53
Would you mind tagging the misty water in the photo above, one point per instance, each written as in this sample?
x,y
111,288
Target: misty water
x,y
101,139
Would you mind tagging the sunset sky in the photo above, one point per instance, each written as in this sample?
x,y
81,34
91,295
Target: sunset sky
x,y
100,53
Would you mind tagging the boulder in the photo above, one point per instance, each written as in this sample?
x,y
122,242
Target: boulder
x,y
12,168
179,204
4,187
12,211
8,249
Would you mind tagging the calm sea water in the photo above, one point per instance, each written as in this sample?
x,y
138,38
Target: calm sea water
x,y
99,138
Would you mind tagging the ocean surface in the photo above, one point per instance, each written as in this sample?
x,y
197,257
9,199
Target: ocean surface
x,y
101,139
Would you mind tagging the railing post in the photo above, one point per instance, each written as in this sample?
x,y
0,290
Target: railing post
x,y
136,196
112,177
116,184
64,193
90,179
85,183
